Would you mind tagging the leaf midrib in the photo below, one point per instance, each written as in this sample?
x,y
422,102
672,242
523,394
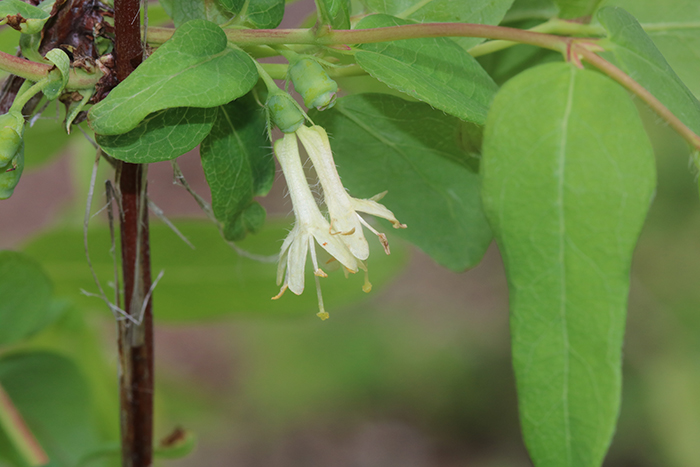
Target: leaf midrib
x,y
561,172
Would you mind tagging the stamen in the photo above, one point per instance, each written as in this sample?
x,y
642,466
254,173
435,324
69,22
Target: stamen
x,y
330,230
282,290
317,271
382,237
367,286
322,313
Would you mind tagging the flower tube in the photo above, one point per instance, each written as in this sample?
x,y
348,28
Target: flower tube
x,y
345,222
309,225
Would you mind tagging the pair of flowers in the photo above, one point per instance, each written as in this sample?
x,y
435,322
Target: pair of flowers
x,y
342,237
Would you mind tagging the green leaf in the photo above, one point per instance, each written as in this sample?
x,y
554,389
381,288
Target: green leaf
x,y
635,53
334,13
211,281
383,143
234,6
263,14
59,76
568,176
74,108
674,26
53,398
250,220
237,162
436,71
195,68
531,9
162,136
507,63
25,297
182,11
444,11
8,40
23,17
576,8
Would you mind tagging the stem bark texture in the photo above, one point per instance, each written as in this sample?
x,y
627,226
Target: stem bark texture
x,y
136,334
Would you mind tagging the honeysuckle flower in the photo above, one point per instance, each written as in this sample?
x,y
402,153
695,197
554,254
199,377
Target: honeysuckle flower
x,y
310,226
345,222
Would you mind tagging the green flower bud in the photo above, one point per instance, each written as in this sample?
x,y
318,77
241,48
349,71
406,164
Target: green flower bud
x,y
10,173
313,83
284,112
9,144
11,129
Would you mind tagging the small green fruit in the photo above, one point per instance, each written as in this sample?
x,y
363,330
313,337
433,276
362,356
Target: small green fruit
x,y
11,130
313,83
10,174
284,112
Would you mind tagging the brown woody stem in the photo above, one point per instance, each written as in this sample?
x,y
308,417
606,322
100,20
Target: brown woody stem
x,y
136,334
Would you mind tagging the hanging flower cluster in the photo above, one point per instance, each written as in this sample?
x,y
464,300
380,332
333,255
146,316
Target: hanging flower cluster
x,y
341,234
342,237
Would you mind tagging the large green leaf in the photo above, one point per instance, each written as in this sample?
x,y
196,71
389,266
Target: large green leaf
x,y
182,11
531,9
436,71
263,14
25,296
162,136
674,25
383,143
334,13
238,163
195,68
54,400
568,175
576,8
211,281
255,13
444,11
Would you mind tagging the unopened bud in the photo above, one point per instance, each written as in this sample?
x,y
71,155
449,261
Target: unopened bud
x,y
11,129
284,112
10,173
313,83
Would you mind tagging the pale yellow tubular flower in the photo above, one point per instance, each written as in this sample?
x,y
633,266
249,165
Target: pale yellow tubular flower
x,y
309,225
343,209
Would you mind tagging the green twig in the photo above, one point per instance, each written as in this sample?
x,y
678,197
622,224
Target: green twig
x,y
252,37
553,26
24,95
34,71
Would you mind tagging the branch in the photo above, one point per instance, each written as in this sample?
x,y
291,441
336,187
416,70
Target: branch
x,y
327,37
33,71
135,340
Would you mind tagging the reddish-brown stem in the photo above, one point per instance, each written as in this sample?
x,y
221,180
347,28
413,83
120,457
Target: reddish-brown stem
x,y
136,334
